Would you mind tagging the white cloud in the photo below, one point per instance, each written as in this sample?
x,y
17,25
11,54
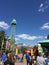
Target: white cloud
x,y
28,37
45,37
4,25
16,39
45,26
43,6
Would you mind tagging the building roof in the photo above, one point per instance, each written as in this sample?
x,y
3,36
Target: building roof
x,y
44,41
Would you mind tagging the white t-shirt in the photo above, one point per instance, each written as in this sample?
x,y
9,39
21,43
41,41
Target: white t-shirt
x,y
40,60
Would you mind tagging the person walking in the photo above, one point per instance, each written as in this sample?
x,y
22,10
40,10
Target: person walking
x,y
33,60
28,58
40,60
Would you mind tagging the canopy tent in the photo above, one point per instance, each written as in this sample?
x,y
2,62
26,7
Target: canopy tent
x,y
24,46
44,44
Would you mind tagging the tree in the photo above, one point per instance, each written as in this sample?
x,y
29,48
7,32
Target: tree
x,y
2,37
23,50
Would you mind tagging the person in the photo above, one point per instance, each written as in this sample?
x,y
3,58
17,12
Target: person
x,y
33,60
35,63
11,58
1,62
4,57
28,58
40,60
7,62
47,60
35,51
21,58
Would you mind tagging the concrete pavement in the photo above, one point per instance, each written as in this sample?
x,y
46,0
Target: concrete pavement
x,y
21,63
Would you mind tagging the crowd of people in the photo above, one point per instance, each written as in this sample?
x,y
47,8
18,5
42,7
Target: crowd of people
x,y
37,58
34,59
7,59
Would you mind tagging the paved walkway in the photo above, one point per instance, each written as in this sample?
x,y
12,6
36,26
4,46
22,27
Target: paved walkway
x,y
21,63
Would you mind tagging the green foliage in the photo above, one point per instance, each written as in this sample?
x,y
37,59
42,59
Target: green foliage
x,y
3,39
12,41
8,51
22,50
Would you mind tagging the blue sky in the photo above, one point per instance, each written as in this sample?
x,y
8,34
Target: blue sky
x,y
32,19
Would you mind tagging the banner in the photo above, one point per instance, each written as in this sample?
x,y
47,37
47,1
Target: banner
x,y
16,51
31,51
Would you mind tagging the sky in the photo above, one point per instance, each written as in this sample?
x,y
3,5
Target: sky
x,y
32,19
